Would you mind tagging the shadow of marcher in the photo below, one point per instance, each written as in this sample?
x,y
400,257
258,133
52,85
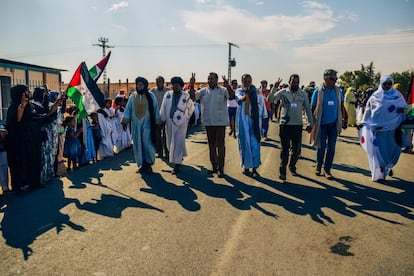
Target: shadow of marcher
x,y
112,205
314,199
191,177
29,215
259,195
162,188
351,169
238,194
366,198
91,174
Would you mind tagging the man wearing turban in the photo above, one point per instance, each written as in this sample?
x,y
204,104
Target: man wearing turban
x,y
176,110
142,113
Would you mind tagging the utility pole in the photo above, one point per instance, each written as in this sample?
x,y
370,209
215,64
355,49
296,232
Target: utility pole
x,y
232,62
103,41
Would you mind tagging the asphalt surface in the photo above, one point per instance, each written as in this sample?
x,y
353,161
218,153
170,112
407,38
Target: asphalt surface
x,y
106,219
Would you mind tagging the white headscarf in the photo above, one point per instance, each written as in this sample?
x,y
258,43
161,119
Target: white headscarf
x,y
382,106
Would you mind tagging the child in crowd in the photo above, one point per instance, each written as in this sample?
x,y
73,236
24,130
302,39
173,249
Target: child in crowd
x,y
72,148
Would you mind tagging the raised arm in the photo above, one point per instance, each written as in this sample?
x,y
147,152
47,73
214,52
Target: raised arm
x,y
229,88
192,90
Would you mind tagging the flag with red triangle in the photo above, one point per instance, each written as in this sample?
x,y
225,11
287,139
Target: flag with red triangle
x,y
84,92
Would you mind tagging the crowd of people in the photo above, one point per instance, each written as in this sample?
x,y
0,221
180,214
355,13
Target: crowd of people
x,y
42,131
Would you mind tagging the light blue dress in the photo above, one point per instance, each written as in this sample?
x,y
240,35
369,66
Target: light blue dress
x,y
249,146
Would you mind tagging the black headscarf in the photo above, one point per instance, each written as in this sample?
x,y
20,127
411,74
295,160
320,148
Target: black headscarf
x,y
151,106
177,80
251,91
16,93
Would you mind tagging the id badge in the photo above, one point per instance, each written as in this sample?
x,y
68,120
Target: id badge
x,y
331,103
293,105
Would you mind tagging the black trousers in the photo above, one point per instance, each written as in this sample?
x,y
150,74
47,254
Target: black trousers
x,y
161,141
290,138
215,137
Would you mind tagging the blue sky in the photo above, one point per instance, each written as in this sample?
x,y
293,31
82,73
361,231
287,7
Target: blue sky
x,y
174,38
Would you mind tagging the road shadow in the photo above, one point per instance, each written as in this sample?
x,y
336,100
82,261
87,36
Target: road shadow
x,y
366,199
200,180
351,169
195,130
314,199
270,143
160,187
238,194
92,173
110,205
361,198
348,139
29,215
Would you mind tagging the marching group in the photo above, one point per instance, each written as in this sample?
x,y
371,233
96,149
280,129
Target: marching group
x,y
40,130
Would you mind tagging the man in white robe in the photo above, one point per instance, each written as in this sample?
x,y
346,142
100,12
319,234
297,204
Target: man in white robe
x,y
142,112
176,111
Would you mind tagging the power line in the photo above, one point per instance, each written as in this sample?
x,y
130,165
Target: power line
x,y
103,45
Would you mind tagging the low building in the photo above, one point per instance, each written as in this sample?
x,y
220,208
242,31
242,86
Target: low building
x,y
14,73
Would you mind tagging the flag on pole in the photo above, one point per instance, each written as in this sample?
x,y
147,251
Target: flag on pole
x,y
84,92
410,99
97,70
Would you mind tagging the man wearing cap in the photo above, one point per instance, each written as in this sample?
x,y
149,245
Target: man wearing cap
x,y
214,116
329,113
176,110
142,112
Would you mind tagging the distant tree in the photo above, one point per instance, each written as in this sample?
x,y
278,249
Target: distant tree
x,y
404,80
347,80
366,77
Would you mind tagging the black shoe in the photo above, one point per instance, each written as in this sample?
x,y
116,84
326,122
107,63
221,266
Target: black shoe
x,y
391,173
282,177
328,175
255,173
293,171
318,169
220,173
176,169
246,172
214,170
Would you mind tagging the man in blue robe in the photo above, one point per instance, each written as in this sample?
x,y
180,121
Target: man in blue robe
x,y
142,112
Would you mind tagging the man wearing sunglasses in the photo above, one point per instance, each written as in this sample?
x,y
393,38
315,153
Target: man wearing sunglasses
x,y
328,110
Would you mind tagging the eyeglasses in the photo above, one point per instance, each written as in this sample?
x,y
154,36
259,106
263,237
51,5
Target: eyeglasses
x,y
387,83
333,79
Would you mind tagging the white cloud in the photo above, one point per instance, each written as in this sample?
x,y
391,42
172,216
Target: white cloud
x,y
231,24
390,52
116,6
314,5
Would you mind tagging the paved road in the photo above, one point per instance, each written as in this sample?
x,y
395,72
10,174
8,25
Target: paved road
x,y
105,219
